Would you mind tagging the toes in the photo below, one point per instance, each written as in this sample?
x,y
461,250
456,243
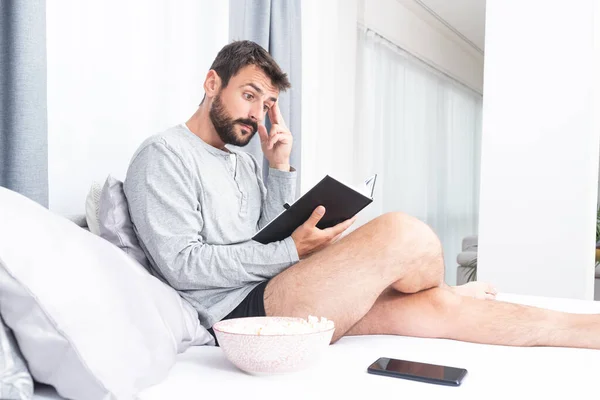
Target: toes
x,y
478,290
491,289
489,296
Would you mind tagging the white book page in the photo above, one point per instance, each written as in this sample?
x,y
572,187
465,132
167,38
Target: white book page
x,y
366,189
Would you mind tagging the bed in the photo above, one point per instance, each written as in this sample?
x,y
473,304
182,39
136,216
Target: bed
x,y
494,371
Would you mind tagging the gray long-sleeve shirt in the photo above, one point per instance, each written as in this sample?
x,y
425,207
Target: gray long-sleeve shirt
x,y
195,212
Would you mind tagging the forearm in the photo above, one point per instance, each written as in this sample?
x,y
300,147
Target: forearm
x,y
201,266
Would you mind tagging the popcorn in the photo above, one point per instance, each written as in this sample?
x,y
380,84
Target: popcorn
x,y
282,326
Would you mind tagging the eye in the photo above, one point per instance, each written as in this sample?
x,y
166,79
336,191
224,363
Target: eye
x,y
266,108
248,96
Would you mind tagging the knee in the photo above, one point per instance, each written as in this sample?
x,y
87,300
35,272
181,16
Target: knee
x,y
399,222
413,250
399,229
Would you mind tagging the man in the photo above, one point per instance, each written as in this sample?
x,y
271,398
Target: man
x,y
195,205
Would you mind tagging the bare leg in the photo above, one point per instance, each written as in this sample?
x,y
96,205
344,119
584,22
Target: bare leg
x,y
343,281
357,281
440,313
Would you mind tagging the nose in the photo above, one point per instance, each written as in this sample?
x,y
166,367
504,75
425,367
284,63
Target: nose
x,y
256,111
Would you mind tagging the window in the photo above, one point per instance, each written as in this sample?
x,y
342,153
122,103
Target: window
x,y
420,131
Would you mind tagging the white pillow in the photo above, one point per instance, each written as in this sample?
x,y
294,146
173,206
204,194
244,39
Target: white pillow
x,y
92,208
15,380
89,320
114,221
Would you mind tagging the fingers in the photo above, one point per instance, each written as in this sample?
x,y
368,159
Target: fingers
x,y
279,134
336,238
341,227
316,216
273,139
263,134
275,115
281,137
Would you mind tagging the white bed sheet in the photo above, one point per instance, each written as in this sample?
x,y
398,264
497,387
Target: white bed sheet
x,y
494,371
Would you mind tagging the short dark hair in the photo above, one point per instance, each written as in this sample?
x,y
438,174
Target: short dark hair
x,y
239,54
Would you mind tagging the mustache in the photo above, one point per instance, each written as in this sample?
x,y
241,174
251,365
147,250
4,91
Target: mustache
x,y
248,122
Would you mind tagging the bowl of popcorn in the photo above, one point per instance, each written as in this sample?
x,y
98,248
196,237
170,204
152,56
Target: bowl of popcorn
x,y
268,345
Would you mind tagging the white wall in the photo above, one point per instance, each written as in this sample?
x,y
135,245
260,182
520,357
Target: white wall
x,y
540,147
119,71
410,26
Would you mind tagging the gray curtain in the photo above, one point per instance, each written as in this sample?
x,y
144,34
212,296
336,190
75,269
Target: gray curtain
x,y
23,113
275,25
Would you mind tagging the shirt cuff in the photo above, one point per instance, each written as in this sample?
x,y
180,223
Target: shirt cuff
x,y
291,248
277,173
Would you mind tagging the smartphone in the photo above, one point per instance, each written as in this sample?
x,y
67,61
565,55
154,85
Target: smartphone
x,y
429,373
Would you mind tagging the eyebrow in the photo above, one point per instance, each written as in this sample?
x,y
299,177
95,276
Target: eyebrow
x,y
259,90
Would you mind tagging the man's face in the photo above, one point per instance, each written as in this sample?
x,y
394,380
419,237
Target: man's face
x,y
238,109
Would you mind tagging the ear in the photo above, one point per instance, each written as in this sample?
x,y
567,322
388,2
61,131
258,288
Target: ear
x,y
212,84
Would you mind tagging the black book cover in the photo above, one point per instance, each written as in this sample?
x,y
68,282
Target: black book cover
x,y
341,202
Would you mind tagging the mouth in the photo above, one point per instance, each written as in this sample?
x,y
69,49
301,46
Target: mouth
x,y
246,128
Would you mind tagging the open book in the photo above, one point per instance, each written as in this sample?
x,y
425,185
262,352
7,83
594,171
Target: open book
x,y
341,202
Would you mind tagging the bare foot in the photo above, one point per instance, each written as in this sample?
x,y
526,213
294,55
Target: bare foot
x,y
478,290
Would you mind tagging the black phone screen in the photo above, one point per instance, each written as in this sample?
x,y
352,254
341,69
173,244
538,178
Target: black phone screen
x,y
431,373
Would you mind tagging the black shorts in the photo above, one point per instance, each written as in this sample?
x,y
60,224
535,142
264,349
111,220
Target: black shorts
x,y
252,306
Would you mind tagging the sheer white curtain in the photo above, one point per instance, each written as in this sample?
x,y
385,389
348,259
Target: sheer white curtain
x,y
420,131
118,72
328,76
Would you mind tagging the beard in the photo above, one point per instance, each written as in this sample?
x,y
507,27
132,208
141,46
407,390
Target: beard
x,y
225,125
